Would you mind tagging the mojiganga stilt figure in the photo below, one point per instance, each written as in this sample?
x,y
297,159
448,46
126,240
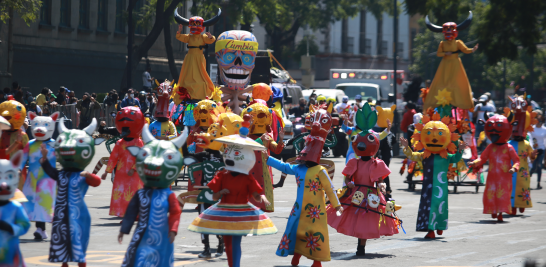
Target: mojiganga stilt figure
x,y
158,164
71,221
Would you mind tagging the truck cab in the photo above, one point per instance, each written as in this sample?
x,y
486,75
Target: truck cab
x,y
366,90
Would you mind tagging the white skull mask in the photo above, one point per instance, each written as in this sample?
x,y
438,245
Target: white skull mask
x,y
42,126
373,200
358,197
235,65
239,158
9,175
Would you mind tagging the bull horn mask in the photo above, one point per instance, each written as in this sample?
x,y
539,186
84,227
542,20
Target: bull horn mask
x,y
206,23
435,28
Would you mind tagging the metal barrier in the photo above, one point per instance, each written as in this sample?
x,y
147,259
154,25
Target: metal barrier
x,y
71,112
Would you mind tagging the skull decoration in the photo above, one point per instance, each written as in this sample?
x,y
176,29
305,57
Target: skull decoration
x,y
129,122
42,126
75,149
389,207
449,29
239,153
236,53
196,23
261,118
159,162
373,200
228,124
9,175
203,113
14,112
321,121
358,197
164,92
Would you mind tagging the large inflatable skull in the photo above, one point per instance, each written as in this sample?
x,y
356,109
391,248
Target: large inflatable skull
x,y
236,66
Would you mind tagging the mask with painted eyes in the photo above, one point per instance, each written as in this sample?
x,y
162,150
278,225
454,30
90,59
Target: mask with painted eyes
x,y
42,126
498,129
236,55
239,153
75,149
14,112
435,136
228,124
9,175
204,113
321,122
261,117
196,25
129,122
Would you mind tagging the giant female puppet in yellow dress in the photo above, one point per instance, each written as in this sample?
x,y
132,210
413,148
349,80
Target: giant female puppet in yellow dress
x,y
193,76
451,74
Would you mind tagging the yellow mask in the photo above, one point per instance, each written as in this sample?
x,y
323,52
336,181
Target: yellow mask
x,y
228,124
14,112
204,113
435,136
261,117
384,114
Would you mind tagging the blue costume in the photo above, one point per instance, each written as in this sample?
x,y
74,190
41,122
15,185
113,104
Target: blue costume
x,y
12,215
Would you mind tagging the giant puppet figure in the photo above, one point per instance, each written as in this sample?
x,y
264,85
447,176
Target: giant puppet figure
x,y
503,162
364,203
307,229
194,79
129,123
451,75
523,121
162,128
71,220
234,216
435,136
14,139
39,188
205,113
13,218
236,55
155,206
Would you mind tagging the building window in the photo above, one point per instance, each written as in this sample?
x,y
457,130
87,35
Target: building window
x,y
120,21
84,14
400,49
102,23
384,47
45,12
65,13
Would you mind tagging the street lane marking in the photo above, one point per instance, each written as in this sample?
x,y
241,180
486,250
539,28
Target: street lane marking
x,y
510,256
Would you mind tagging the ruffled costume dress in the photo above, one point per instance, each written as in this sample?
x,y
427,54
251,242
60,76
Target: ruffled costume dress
x,y
13,214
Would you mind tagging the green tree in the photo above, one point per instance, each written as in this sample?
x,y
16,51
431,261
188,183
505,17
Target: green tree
x,y
27,9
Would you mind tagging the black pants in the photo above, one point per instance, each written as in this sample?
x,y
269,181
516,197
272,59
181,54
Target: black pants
x,y
205,237
386,157
40,225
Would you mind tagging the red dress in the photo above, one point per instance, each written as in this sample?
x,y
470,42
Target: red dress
x,y
498,188
240,187
124,186
356,221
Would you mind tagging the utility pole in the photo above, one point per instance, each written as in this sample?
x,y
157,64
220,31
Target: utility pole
x,y
396,149
131,28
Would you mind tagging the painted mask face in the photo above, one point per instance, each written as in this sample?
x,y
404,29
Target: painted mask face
x,y
196,25
159,162
435,136
498,130
358,197
204,113
228,124
9,175
365,144
321,122
75,149
14,112
129,122
384,114
239,158
164,92
389,207
522,116
449,29
261,117
373,200
42,126
236,54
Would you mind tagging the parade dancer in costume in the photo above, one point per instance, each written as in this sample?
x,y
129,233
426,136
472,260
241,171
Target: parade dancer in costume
x,y
14,139
384,118
158,163
71,221
503,162
234,216
364,203
523,120
205,113
451,75
436,138
129,123
307,229
162,128
13,218
194,79
39,188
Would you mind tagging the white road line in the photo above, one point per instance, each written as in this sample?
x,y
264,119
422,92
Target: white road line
x,y
511,242
452,257
500,259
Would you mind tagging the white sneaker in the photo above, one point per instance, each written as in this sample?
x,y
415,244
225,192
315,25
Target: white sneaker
x,y
40,234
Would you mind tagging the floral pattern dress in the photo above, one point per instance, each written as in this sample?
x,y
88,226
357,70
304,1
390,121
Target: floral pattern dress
x,y
125,185
307,229
498,187
521,180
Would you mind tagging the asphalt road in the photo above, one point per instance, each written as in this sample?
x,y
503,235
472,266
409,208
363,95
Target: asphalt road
x,y
473,239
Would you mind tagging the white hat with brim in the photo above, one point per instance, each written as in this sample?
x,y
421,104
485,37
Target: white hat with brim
x,y
236,139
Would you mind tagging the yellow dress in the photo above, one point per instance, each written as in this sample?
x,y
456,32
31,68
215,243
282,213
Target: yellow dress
x,y
193,75
451,76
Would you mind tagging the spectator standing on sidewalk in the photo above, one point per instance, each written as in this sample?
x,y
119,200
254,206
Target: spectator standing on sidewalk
x,y
407,119
147,80
61,96
129,100
87,106
42,98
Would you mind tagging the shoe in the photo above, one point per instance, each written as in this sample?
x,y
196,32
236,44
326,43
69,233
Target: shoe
x,y
361,250
316,264
514,211
439,232
40,234
82,264
295,259
521,210
538,186
220,249
430,235
494,215
65,264
206,253
499,218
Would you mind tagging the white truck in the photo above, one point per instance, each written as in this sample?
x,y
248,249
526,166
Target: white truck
x,y
369,83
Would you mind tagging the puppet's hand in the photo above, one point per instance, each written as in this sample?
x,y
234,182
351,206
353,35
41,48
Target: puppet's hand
x,y
475,48
224,191
43,149
512,170
471,163
389,125
403,142
264,200
351,184
179,29
383,188
339,209
208,35
120,237
172,235
104,175
84,174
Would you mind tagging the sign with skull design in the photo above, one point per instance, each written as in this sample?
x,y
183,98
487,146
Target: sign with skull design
x,y
236,55
358,197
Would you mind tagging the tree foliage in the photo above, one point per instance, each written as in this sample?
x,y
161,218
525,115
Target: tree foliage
x,y
27,9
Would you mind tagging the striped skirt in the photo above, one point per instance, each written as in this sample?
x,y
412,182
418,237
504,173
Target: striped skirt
x,y
233,219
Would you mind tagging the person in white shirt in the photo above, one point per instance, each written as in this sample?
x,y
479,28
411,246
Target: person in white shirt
x,y
539,138
341,107
147,80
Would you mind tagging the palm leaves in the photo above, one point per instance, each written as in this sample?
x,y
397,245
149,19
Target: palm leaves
x,y
365,118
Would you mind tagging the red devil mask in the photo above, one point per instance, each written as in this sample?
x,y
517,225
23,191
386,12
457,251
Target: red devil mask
x,y
164,92
449,29
519,109
498,129
321,124
129,122
196,25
